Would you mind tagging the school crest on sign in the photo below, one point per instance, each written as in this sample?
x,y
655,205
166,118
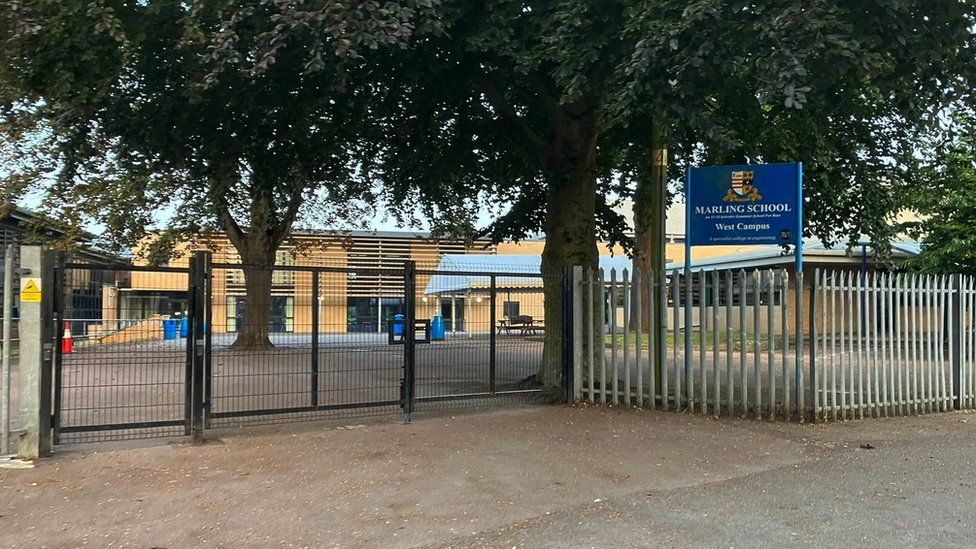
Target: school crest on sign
x,y
743,188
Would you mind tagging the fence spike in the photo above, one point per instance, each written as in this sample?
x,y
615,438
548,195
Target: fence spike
x,y
590,324
637,289
784,302
743,347
603,345
729,377
625,292
716,377
614,382
676,306
757,348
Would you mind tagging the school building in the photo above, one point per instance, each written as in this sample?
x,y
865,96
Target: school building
x,y
364,290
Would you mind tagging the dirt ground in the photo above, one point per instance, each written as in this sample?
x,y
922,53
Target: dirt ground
x,y
530,476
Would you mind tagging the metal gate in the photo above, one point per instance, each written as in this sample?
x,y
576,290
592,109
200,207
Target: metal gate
x,y
319,365
152,351
121,370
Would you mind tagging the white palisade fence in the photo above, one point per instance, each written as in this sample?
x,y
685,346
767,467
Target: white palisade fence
x,y
762,344
892,344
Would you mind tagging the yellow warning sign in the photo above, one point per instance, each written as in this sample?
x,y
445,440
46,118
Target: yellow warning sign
x,y
30,290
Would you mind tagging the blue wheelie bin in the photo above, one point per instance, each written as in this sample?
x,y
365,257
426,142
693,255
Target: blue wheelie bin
x,y
170,328
437,328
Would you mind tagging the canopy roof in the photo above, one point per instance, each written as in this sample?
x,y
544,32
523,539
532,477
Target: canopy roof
x,y
474,272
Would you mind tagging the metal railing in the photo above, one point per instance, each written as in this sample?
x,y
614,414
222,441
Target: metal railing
x,y
733,343
892,344
723,344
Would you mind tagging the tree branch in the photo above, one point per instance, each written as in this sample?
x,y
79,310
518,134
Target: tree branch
x,y
218,197
515,122
291,213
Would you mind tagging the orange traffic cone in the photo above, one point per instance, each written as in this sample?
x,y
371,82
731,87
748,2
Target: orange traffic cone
x,y
67,345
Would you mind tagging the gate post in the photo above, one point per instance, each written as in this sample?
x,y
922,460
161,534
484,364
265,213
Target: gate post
x,y
409,336
955,338
36,351
567,335
60,308
188,369
207,335
492,338
8,304
315,341
199,264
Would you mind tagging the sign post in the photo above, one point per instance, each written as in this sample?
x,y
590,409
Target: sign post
x,y
753,204
798,348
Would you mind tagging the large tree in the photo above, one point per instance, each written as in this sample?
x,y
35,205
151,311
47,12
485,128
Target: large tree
x,y
552,105
945,200
224,115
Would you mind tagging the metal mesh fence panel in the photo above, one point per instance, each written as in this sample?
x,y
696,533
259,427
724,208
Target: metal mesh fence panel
x,y
312,342
489,330
121,366
327,351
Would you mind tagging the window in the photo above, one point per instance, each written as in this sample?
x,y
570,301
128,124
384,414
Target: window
x,y
510,309
452,312
362,314
284,258
280,319
282,314
232,317
391,307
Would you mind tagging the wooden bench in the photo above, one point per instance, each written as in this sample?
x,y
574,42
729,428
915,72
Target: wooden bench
x,y
523,324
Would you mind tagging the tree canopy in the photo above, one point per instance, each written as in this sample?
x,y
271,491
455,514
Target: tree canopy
x,y
235,115
945,199
227,116
549,107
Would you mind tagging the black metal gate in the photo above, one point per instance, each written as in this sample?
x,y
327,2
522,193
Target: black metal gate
x,y
320,364
121,369
153,350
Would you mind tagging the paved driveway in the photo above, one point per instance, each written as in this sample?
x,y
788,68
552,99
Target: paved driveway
x,y
532,476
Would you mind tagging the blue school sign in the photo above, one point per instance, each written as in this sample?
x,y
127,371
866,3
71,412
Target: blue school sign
x,y
744,205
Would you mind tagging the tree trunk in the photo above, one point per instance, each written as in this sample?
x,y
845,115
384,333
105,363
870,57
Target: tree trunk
x,y
257,245
650,202
649,220
258,259
570,228
254,332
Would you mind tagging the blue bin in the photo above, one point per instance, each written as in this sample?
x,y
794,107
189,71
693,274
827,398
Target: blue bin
x,y
185,326
437,328
170,328
399,325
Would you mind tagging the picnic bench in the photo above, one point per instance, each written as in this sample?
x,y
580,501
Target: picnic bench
x,y
523,324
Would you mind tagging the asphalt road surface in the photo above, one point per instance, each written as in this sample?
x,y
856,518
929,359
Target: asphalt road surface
x,y
534,476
